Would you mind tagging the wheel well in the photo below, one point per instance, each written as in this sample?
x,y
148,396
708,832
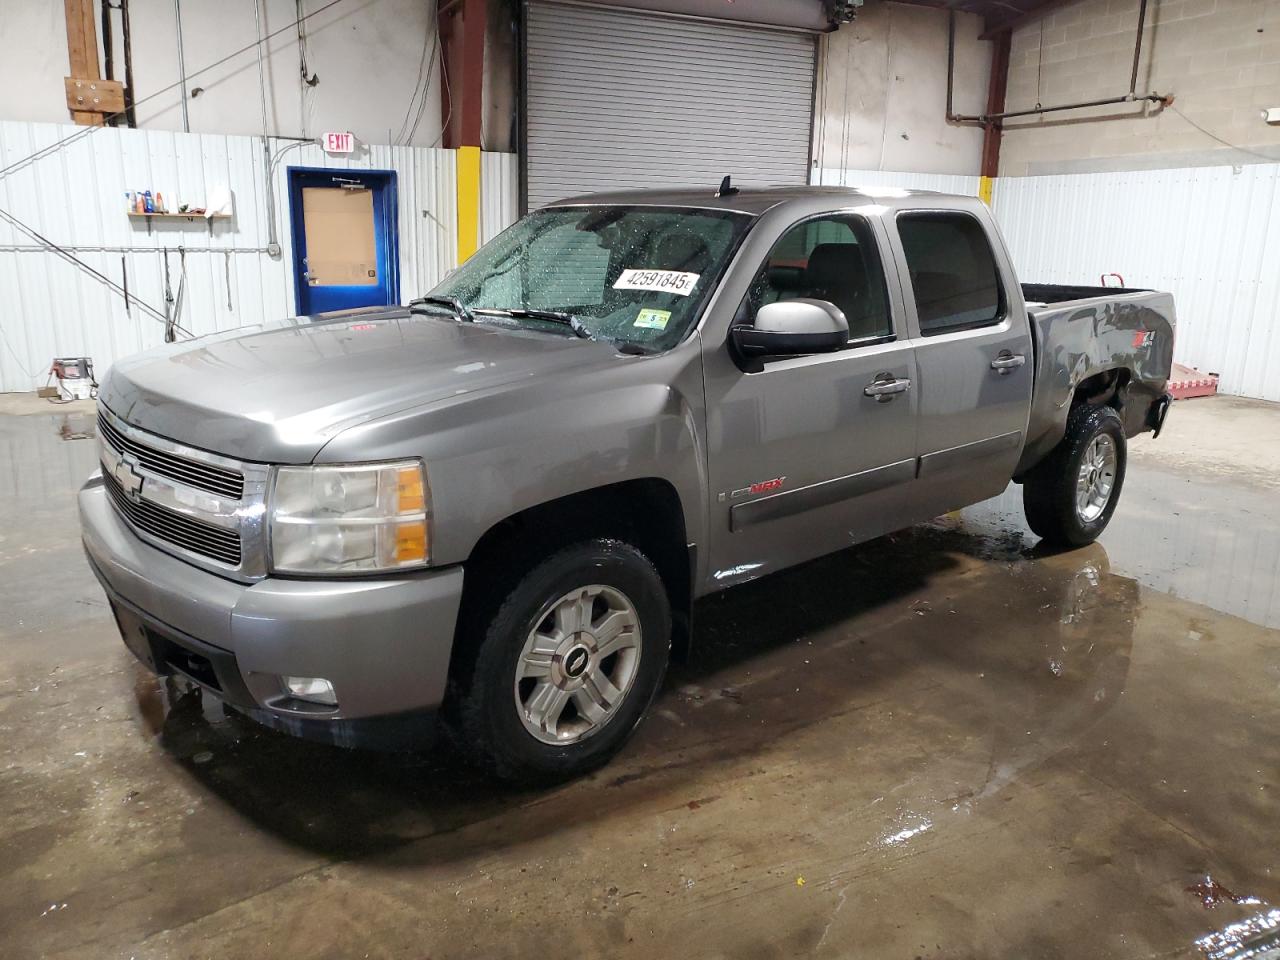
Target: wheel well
x,y
1107,387
644,513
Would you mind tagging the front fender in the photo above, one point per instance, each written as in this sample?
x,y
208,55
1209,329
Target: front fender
x,y
495,454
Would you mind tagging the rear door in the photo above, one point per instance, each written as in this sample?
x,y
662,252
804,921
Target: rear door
x,y
802,460
973,355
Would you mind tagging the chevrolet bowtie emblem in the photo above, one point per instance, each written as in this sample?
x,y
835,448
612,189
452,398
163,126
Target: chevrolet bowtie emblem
x,y
129,479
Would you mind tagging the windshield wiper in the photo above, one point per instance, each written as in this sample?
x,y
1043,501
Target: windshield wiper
x,y
553,316
453,303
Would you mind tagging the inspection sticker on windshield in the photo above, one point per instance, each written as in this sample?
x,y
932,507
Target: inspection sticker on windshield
x,y
660,281
652,319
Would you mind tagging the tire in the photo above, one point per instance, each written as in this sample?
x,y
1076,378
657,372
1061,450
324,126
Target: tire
x,y
1059,508
532,706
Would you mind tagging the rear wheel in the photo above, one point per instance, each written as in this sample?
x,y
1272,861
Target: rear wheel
x,y
1070,497
569,661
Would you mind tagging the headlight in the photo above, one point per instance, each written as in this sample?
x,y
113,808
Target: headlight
x,y
361,518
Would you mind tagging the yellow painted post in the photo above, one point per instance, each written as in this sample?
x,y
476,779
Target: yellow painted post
x,y
984,189
468,202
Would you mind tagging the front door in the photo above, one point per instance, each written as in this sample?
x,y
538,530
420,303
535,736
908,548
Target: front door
x,y
344,238
802,459
973,356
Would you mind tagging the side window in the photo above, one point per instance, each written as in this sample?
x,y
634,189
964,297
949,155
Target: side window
x,y
953,272
828,258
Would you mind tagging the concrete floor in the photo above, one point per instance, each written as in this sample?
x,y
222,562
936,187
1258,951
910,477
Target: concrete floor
x,y
942,744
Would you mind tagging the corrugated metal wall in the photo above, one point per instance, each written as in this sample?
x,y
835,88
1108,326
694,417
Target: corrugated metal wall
x,y
1209,235
941,182
499,193
75,198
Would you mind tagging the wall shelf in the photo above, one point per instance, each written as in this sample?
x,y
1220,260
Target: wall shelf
x,y
180,216
192,217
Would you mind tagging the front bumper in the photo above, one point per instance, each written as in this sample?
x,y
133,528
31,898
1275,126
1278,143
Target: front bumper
x,y
384,643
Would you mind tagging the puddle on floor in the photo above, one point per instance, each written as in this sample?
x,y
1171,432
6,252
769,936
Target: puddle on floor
x,y
1212,542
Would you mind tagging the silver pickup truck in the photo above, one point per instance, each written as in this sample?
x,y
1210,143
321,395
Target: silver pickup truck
x,y
497,505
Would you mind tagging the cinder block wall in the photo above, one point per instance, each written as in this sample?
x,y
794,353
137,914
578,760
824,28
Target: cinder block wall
x,y
1219,58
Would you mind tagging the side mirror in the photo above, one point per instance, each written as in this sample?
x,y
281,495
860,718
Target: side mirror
x,y
791,328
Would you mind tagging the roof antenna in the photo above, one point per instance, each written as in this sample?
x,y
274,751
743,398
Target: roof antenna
x,y
726,188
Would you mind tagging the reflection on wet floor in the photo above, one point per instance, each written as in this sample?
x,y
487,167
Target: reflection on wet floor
x,y
945,743
78,426
1254,938
1217,543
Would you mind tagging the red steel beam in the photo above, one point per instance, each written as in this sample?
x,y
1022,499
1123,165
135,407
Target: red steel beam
x,y
994,29
996,91
462,30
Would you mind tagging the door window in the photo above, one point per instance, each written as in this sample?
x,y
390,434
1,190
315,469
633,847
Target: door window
x,y
828,258
953,271
338,225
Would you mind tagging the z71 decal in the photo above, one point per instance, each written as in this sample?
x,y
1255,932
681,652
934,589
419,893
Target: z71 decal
x,y
1144,338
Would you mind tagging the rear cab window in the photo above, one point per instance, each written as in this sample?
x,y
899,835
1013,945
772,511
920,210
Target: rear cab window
x,y
953,271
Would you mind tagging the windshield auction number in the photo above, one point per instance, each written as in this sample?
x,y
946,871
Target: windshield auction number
x,y
659,281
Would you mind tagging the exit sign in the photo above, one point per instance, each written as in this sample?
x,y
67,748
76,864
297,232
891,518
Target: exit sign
x,y
339,143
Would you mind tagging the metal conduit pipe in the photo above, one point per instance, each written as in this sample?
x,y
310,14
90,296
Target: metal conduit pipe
x,y
273,241
1131,97
182,67
103,248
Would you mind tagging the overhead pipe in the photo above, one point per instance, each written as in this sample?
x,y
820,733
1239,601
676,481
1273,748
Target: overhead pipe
x,y
130,116
1137,48
108,55
1131,97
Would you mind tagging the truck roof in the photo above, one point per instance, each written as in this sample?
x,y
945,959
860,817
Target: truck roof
x,y
750,200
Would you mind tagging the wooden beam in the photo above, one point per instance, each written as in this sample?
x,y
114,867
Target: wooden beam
x,y
94,96
82,52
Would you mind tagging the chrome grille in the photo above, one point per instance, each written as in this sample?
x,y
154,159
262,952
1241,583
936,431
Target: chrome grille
x,y
216,543
203,476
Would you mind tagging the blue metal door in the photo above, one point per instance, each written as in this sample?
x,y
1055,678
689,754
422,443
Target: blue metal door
x,y
345,238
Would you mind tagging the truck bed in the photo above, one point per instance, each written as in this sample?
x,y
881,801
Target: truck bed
x,y
1095,335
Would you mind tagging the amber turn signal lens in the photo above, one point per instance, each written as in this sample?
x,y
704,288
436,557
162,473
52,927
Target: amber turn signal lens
x,y
411,497
411,541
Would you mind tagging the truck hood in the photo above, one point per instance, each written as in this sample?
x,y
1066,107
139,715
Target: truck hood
x,y
279,393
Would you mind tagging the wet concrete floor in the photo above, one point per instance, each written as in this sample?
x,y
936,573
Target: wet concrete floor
x,y
944,744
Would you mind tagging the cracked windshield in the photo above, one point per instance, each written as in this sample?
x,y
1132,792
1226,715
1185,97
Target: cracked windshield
x,y
634,275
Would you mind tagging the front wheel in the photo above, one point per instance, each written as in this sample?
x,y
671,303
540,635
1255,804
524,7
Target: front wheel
x,y
1070,497
567,665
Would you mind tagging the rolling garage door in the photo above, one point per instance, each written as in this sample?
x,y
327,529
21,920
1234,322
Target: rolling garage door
x,y
620,99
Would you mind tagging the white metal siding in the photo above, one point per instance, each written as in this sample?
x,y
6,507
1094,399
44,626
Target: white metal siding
x,y
941,182
499,193
619,99
75,198
1209,235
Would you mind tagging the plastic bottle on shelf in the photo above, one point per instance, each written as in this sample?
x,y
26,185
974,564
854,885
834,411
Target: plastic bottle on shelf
x,y
160,203
149,204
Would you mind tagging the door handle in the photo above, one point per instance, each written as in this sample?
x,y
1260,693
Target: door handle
x,y
1007,362
885,387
